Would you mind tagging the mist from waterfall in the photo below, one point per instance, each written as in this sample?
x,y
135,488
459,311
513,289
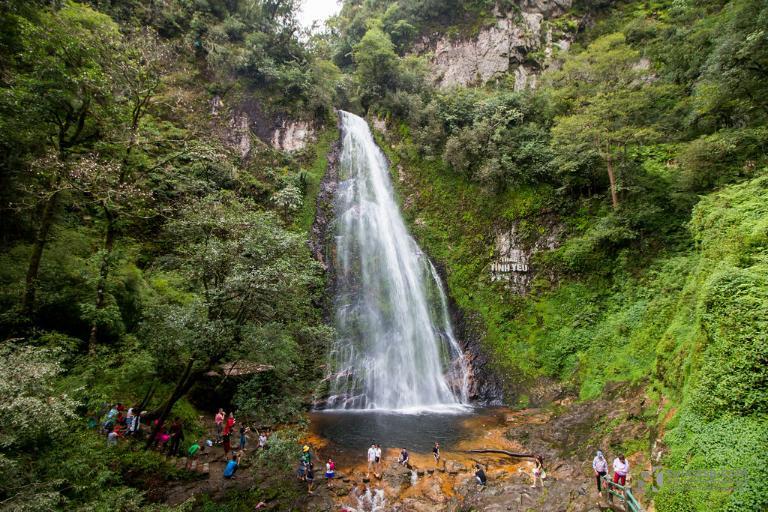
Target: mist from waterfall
x,y
395,348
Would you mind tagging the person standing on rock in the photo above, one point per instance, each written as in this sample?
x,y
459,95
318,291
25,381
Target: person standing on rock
x,y
377,471
243,438
371,459
436,453
230,423
600,465
620,470
403,457
538,469
309,476
480,475
226,443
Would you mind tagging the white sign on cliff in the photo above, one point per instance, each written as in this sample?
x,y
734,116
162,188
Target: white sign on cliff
x,y
510,259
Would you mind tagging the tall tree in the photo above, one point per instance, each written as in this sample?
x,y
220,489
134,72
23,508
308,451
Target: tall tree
x,y
246,272
136,72
64,88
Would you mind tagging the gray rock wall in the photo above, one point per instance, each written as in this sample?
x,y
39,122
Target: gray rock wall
x,y
501,49
245,124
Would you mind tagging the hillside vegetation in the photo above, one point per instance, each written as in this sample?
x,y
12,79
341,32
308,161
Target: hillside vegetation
x,y
140,250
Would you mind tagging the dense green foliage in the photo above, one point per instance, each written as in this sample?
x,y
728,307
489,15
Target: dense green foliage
x,y
140,250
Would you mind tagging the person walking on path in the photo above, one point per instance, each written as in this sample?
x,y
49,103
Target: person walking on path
x,y
262,440
177,436
600,466
436,453
371,459
219,420
193,452
620,470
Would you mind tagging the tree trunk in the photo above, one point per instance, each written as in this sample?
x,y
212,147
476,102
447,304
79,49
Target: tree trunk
x,y
611,179
147,397
161,413
30,290
109,243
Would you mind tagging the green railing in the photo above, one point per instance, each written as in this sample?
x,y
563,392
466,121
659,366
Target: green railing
x,y
623,493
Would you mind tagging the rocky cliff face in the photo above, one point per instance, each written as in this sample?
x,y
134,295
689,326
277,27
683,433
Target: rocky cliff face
x,y
244,124
519,43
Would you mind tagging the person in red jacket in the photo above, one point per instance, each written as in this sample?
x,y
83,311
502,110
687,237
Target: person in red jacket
x,y
230,424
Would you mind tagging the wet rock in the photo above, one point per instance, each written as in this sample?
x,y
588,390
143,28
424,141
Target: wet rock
x,y
397,476
453,467
414,505
324,214
434,493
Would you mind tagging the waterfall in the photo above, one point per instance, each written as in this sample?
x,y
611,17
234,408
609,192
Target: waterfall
x,y
395,348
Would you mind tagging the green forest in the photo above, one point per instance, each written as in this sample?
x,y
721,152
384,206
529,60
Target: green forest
x,y
141,252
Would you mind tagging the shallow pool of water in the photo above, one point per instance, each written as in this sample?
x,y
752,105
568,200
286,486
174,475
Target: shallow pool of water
x,y
353,432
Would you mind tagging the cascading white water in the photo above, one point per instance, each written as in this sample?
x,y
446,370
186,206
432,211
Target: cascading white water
x,y
395,347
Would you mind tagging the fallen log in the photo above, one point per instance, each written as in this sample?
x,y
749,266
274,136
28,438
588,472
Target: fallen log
x,y
509,454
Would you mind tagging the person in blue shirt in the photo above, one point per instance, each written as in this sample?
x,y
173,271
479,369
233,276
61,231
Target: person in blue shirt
x,y
232,465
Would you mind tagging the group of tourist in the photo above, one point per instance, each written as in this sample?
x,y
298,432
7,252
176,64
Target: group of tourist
x,y
119,422
226,426
600,467
306,470
374,460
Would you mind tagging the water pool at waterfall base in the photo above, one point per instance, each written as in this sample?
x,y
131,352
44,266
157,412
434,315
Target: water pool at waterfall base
x,y
348,434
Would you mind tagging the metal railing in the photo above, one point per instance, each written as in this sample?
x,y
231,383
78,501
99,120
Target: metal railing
x,y
623,493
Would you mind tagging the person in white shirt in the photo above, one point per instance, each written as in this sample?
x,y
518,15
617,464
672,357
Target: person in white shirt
x,y
371,459
620,470
600,466
262,440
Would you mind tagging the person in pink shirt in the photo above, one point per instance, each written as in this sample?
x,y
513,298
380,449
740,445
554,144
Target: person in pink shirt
x,y
219,419
620,470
